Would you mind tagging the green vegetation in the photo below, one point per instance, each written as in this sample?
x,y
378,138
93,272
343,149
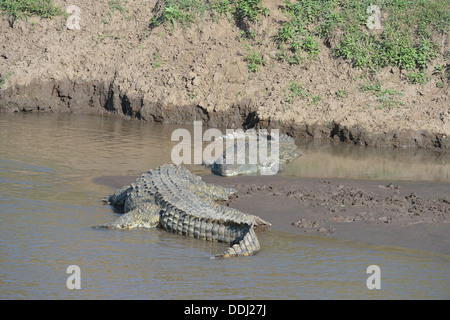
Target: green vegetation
x,y
296,34
249,9
341,94
184,12
384,96
4,78
255,60
407,39
22,9
156,59
295,90
117,5
103,36
417,77
410,37
192,95
316,99
443,74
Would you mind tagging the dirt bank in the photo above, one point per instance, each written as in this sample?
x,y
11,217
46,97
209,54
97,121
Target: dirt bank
x,y
413,215
117,65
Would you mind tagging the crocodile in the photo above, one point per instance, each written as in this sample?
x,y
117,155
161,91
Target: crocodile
x,y
242,147
173,198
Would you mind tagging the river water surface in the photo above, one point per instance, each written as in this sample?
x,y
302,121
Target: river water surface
x,y
49,202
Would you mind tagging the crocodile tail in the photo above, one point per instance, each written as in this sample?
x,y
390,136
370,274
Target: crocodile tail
x,y
247,246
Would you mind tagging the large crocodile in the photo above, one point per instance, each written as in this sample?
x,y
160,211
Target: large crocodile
x,y
237,158
173,198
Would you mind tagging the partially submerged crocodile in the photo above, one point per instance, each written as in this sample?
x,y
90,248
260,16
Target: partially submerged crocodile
x,y
236,159
173,198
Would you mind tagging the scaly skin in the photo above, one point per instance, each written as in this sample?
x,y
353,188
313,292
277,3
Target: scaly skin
x,y
172,198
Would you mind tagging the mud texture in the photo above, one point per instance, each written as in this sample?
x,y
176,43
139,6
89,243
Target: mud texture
x,y
116,65
414,215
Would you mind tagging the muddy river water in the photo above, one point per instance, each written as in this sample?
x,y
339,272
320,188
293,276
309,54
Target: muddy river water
x,y
50,200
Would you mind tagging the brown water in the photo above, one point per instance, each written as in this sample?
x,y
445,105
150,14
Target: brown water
x,y
49,203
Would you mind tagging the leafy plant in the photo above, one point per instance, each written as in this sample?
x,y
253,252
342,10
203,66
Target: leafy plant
x,y
316,99
255,60
416,77
4,78
311,46
250,9
174,13
156,59
185,11
384,96
22,9
222,7
341,94
443,74
408,39
116,5
296,90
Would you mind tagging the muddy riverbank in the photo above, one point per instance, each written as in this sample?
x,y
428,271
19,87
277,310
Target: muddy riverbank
x,y
404,214
116,65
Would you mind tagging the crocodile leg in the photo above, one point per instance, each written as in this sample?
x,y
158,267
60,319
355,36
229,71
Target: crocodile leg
x,y
119,197
145,216
220,193
260,222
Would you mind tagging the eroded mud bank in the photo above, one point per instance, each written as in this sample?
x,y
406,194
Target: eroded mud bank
x,y
106,98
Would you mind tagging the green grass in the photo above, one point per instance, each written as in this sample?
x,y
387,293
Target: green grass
x,y
249,9
310,46
156,59
117,5
316,99
184,12
255,60
103,36
442,72
341,94
22,9
3,78
385,97
295,90
181,11
417,77
409,38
